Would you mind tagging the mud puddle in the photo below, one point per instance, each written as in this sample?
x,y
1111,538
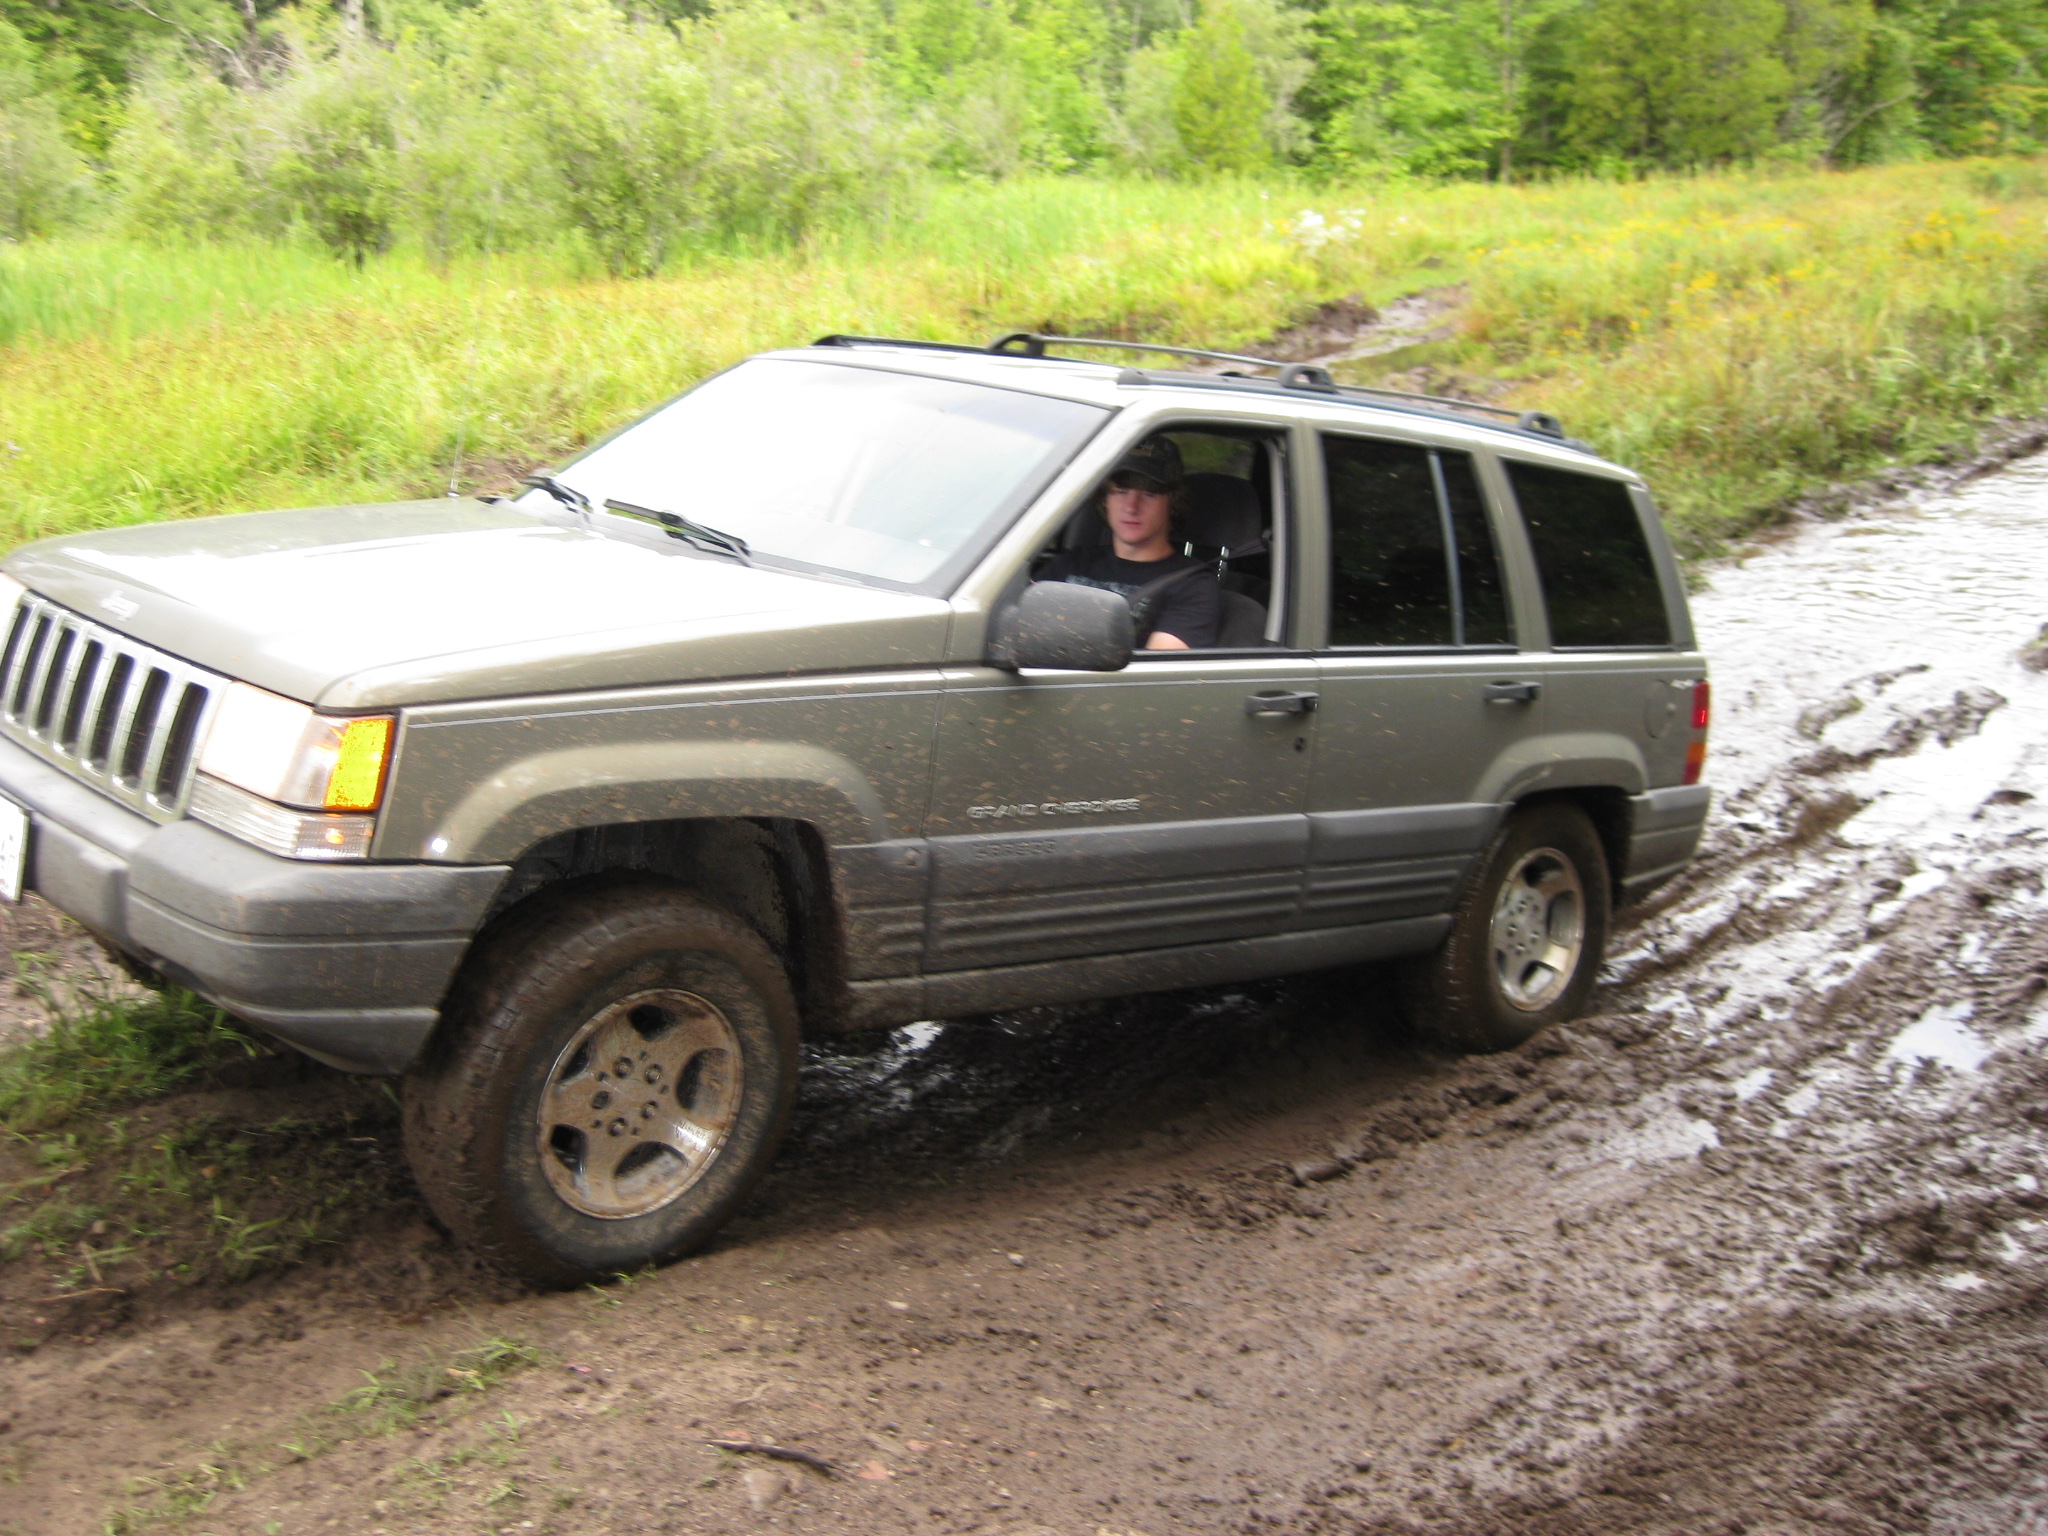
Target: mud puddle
x,y
1757,1248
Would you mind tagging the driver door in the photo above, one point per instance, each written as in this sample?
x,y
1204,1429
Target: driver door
x,y
1108,812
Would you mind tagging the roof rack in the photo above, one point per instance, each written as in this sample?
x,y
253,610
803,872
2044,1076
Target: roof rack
x,y
838,340
1303,376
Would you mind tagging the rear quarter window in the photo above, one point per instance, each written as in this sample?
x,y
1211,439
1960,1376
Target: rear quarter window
x,y
1599,580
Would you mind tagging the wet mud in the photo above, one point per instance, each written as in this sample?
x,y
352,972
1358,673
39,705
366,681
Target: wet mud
x,y
1758,1247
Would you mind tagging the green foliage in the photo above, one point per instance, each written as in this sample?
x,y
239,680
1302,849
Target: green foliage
x,y
42,176
1982,74
105,1050
1219,101
376,385
394,1396
337,168
1218,97
647,131
1420,88
1676,82
519,122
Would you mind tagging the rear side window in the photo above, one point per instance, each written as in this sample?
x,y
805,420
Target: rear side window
x,y
1412,555
1598,578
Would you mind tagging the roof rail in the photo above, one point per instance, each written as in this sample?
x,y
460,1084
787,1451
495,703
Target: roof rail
x,y
837,340
1308,376
1031,344
1303,376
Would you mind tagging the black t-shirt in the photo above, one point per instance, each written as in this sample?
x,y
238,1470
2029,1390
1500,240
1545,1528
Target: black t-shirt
x,y
1191,610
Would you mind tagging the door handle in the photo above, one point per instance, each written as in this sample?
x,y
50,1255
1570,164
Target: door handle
x,y
1280,704
1512,693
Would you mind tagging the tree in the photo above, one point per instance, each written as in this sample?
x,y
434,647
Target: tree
x,y
42,178
1406,85
1981,67
1676,82
1219,102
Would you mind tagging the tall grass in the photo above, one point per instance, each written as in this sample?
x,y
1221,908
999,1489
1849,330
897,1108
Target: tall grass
x,y
103,1050
116,290
1735,338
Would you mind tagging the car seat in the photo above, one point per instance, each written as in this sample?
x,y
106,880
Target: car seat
x,y
1221,518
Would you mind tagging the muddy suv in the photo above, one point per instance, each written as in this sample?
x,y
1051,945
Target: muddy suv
x,y
580,810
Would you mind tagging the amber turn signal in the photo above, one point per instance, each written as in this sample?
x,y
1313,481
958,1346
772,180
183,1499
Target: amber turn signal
x,y
357,782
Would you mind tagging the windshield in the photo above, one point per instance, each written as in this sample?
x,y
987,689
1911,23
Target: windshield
x,y
886,476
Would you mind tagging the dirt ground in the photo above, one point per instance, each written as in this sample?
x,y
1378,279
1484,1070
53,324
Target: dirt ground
x,y
1759,1248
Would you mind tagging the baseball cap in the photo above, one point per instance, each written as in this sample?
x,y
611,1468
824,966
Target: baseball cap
x,y
1156,458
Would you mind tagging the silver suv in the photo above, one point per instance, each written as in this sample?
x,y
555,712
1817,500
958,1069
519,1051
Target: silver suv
x,y
581,809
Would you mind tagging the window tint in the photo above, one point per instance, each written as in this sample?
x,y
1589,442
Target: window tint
x,y
1389,576
1481,592
1392,581
1598,578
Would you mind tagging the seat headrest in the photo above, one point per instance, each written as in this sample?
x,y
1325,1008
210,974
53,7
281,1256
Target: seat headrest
x,y
1220,511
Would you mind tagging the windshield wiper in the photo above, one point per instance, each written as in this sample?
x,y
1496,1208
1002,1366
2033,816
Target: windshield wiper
x,y
567,495
711,540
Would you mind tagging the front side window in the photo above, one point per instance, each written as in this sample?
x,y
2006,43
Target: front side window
x,y
1599,580
1184,527
820,466
1412,557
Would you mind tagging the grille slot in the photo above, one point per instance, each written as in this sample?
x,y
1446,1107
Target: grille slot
x,y
119,715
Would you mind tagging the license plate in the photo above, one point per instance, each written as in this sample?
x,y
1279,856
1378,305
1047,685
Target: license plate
x,y
13,849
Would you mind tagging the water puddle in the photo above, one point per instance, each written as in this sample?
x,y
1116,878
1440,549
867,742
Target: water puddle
x,y
1942,1035
1881,745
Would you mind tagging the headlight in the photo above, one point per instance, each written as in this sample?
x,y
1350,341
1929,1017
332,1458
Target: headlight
x,y
279,749
10,593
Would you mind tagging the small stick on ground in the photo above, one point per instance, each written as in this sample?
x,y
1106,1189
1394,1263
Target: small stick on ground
x,y
779,1452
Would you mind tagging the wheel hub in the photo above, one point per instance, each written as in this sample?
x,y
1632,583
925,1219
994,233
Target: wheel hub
x,y
1538,931
638,1103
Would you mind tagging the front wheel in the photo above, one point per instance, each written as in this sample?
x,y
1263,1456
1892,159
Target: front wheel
x,y
1526,938
616,1068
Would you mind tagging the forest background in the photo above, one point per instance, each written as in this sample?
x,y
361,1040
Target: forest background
x,y
271,253
642,130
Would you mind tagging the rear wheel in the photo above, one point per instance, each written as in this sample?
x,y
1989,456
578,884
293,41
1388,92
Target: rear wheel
x,y
1526,937
615,1071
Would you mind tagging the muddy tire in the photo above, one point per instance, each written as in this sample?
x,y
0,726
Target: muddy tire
x,y
613,1073
1526,938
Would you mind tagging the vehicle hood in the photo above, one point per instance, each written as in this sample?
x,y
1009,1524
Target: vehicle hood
x,y
432,601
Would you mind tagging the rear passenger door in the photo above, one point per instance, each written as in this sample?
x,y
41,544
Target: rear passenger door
x,y
1427,702
1616,687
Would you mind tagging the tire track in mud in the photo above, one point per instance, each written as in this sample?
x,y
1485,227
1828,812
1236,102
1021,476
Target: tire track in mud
x,y
1758,1248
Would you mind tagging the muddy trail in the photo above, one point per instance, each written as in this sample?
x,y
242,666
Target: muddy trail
x,y
1759,1247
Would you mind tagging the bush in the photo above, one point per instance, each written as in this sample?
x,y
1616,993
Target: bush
x,y
523,121
43,182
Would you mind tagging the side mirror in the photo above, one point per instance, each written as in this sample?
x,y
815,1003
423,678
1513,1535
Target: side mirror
x,y
1064,626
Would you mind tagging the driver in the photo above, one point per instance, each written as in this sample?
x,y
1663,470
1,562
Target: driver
x,y
1138,501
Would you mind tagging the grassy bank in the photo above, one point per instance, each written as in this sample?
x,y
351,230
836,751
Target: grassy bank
x,y
150,1149
1738,339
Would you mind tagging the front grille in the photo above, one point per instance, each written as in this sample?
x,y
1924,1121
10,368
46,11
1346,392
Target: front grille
x,y
117,714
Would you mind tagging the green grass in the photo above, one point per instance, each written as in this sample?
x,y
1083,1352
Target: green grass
x,y
104,1050
1737,338
395,1396
117,290
175,1193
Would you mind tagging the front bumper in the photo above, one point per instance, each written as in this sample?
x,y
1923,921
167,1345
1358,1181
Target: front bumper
x,y
347,962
